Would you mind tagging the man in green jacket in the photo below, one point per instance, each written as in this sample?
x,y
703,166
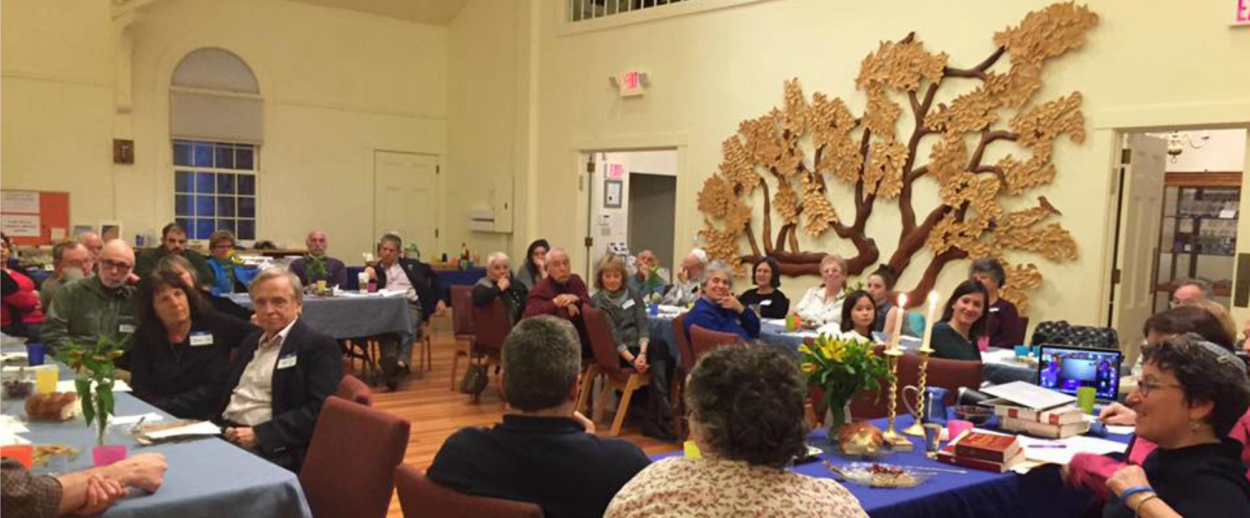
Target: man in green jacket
x,y
86,309
174,241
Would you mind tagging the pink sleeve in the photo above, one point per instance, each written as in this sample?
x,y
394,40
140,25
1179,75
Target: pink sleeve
x,y
1092,471
1241,432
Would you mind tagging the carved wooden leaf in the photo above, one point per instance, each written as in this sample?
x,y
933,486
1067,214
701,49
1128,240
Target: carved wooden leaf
x,y
720,245
884,174
831,129
900,65
715,196
1020,280
817,210
786,203
1023,175
881,113
1040,126
1047,33
737,167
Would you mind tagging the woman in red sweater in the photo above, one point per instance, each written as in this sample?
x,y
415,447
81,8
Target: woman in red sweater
x,y
20,298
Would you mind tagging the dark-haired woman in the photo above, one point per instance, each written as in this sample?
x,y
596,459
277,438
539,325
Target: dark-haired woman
x,y
881,286
963,320
746,417
1191,395
181,351
766,296
534,268
1004,327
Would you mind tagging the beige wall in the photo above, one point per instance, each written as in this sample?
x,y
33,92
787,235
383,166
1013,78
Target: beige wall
x,y
337,85
713,69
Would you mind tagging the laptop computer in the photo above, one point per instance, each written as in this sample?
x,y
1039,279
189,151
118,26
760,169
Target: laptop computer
x,y
1066,369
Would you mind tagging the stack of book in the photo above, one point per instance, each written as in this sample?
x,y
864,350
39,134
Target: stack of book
x,y
1056,423
983,451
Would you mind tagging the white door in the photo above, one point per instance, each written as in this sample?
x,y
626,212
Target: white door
x,y
405,198
1142,206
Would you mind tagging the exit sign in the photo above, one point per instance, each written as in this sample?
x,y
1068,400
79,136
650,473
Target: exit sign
x,y
630,83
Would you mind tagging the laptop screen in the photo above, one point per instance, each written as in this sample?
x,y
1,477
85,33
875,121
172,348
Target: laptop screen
x,y
1065,369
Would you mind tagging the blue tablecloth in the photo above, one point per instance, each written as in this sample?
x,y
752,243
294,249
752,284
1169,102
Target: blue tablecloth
x,y
350,317
1040,493
206,477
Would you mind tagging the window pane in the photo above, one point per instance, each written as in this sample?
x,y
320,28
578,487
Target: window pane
x,y
225,184
247,184
182,181
204,206
225,224
243,157
225,206
247,229
182,153
182,205
204,228
205,183
247,207
225,157
184,223
202,155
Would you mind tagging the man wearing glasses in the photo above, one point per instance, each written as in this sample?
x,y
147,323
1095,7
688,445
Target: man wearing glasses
x,y
86,309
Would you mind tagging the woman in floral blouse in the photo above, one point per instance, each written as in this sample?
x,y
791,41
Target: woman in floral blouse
x,y
747,419
823,304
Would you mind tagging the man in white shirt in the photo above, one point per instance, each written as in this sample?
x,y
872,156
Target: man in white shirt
x,y
685,290
420,286
282,375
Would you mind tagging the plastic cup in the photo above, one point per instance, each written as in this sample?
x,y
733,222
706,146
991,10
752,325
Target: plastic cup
x,y
1085,397
23,453
983,343
108,454
692,450
35,353
954,427
1022,351
45,380
655,310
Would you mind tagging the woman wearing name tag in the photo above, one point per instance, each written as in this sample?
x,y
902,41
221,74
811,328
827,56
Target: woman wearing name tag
x,y
628,316
181,353
765,296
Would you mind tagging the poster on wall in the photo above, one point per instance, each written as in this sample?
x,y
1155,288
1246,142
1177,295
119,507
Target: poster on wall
x,y
616,171
110,230
21,202
20,225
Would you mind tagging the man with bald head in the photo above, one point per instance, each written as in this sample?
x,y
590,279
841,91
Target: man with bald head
x,y
317,266
86,309
561,294
94,245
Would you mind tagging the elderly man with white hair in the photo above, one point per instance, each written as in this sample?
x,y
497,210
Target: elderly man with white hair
x,y
500,284
686,290
84,310
561,294
317,265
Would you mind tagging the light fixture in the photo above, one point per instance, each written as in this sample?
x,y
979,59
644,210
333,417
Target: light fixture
x,y
1176,143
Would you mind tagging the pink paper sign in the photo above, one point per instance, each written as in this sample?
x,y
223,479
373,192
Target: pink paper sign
x,y
1241,15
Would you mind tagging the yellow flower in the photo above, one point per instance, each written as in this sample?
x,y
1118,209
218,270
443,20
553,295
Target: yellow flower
x,y
809,367
803,348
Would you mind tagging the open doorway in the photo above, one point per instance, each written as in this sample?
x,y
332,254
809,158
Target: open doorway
x,y
1179,204
632,200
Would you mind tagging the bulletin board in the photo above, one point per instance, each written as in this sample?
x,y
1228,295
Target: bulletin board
x,y
34,217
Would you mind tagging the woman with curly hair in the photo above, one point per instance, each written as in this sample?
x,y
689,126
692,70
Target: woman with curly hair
x,y
747,418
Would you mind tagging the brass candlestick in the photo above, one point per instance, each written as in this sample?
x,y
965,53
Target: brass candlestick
x,y
895,439
917,428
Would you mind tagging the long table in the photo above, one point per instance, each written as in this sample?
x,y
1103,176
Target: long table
x,y
1039,493
206,477
350,317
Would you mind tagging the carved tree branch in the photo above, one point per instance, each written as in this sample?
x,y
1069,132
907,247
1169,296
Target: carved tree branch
x,y
989,137
913,145
768,222
978,71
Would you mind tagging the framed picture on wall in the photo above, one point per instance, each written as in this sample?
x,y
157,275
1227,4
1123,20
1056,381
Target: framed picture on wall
x,y
612,193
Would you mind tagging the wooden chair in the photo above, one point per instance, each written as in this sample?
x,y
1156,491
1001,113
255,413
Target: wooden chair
x,y
420,497
607,365
491,326
352,389
425,356
678,383
366,350
461,325
703,341
350,467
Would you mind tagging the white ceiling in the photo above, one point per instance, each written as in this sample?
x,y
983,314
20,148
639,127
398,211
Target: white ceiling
x,y
436,12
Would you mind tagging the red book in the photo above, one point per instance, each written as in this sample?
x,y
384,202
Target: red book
x,y
946,457
984,446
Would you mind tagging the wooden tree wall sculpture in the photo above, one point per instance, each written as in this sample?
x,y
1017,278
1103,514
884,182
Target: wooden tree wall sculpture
x,y
768,160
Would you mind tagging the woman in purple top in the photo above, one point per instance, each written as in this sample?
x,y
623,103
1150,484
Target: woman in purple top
x,y
1004,327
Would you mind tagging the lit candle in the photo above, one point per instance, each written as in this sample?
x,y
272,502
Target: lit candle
x,y
929,320
897,332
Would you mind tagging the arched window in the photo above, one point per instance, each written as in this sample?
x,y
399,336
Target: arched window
x,y
216,128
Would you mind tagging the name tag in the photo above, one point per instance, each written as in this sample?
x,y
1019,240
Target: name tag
x,y
201,339
766,302
994,310
126,328
287,362
628,304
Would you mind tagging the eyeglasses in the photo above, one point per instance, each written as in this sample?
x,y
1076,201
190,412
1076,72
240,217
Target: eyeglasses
x,y
1145,387
114,265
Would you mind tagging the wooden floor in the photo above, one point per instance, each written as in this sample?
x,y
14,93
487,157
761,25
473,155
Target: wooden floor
x,y
435,411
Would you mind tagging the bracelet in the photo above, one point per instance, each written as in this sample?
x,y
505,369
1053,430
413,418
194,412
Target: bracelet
x,y
1134,490
1143,501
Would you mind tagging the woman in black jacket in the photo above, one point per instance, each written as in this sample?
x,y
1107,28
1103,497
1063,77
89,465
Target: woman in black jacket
x,y
499,282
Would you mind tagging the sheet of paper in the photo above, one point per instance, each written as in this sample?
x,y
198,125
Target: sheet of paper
x,y
191,430
68,386
1061,451
8,439
150,417
12,425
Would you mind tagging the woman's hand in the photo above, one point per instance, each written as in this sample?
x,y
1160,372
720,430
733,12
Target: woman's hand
x,y
1118,414
504,283
1127,477
731,302
640,363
